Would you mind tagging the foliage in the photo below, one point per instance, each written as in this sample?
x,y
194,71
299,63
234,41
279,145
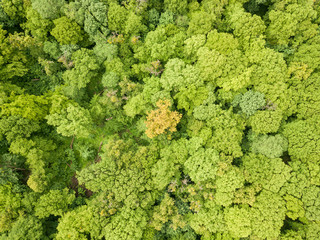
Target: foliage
x,y
48,9
162,120
270,146
147,119
54,203
27,228
66,31
250,102
72,120
270,174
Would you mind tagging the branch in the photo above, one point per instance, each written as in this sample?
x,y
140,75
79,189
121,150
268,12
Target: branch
x,y
97,157
15,168
71,144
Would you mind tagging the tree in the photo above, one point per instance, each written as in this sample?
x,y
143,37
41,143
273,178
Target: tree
x,y
238,221
127,224
311,203
202,165
189,98
267,215
230,43
15,9
92,15
162,120
251,101
10,206
14,127
26,106
192,45
303,138
208,221
80,223
246,27
226,184
36,24
270,174
71,121
117,17
291,20
28,227
165,212
124,171
66,31
178,75
266,121
85,69
226,126
162,44
201,22
270,146
210,63
13,61
305,53
48,9
55,202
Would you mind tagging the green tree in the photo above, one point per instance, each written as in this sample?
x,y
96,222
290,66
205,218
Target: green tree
x,y
48,9
303,138
270,174
270,146
85,70
127,224
202,165
66,31
251,101
10,207
26,106
178,75
28,227
117,17
226,184
13,60
267,215
36,24
292,19
201,22
92,15
55,202
238,221
73,120
267,121
226,126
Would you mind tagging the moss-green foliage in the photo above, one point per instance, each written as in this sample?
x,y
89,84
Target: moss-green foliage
x,y
268,214
13,59
303,137
202,165
55,202
48,9
238,222
27,228
270,146
265,121
79,80
270,174
66,31
250,102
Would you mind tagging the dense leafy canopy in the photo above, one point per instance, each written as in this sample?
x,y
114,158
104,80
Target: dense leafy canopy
x,y
160,119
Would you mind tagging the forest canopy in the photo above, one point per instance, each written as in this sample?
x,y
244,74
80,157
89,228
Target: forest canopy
x,y
159,119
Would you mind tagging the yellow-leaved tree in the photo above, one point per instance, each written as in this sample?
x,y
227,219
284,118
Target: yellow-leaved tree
x,y
162,119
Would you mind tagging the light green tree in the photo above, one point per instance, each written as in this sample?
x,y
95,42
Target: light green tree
x,y
66,31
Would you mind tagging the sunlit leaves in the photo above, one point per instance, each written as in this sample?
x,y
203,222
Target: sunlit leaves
x,y
162,120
